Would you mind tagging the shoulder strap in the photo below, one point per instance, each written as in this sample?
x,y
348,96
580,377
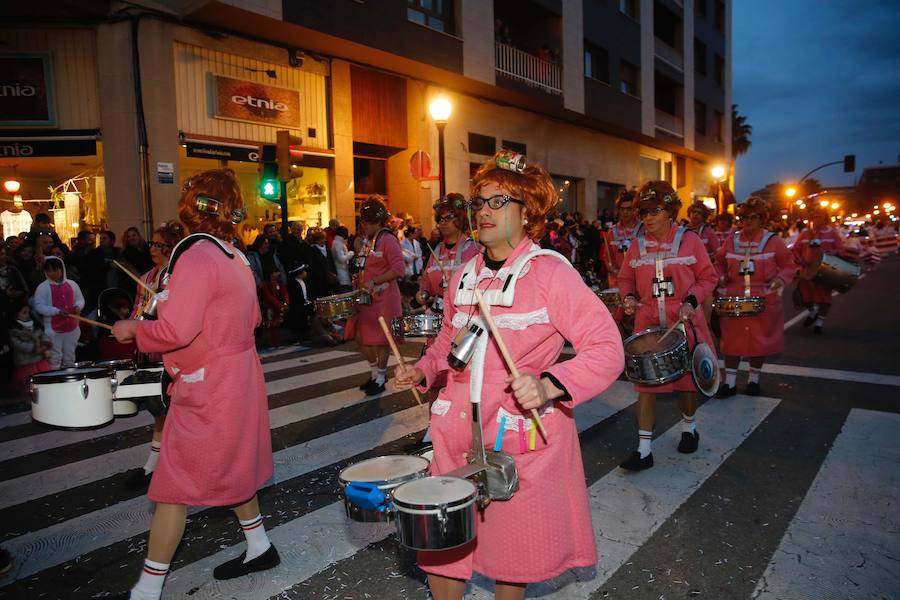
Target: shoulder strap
x,y
189,241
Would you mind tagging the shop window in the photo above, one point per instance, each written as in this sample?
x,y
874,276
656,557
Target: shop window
x,y
515,147
434,14
482,144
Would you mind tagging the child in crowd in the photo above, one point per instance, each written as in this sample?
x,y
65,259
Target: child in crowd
x,y
55,299
30,346
275,304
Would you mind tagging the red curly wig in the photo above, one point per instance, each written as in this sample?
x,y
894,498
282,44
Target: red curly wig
x,y
533,186
171,233
453,204
659,193
220,185
754,205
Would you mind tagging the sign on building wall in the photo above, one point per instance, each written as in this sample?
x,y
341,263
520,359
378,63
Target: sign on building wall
x,y
240,100
26,90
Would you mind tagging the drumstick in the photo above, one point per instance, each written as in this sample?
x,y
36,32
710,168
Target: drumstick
x,y
440,264
136,279
669,331
486,313
397,355
91,321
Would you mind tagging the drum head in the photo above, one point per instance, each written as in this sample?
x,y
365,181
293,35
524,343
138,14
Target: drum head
x,y
385,469
705,369
67,375
434,491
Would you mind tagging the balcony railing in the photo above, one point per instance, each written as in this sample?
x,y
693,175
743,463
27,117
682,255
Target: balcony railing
x,y
528,68
668,54
669,123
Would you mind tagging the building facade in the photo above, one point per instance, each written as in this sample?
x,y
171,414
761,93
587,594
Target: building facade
x,y
604,93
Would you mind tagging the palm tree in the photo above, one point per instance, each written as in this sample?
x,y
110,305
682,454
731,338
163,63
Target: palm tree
x,y
740,133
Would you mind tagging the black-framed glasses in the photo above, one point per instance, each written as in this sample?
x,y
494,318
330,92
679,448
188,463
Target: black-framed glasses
x,y
445,219
494,202
159,245
651,212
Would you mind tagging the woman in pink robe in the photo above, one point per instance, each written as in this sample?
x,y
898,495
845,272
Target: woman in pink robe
x,y
545,528
818,239
771,267
216,446
693,278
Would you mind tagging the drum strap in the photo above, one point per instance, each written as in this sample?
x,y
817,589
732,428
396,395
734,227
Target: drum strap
x,y
747,267
663,286
189,241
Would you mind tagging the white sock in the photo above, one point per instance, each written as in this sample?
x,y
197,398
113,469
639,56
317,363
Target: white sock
x,y
754,374
644,438
731,377
688,424
373,368
149,586
820,321
257,540
380,376
153,458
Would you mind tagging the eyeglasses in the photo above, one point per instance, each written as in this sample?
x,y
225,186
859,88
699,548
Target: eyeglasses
x,y
494,202
158,245
651,212
748,217
445,219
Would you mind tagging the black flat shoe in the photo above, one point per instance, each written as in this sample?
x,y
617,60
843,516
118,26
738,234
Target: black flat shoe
x,y
809,320
368,382
138,480
236,567
373,389
689,442
726,391
818,330
752,389
636,463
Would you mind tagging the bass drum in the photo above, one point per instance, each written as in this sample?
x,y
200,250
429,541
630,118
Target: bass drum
x,y
72,398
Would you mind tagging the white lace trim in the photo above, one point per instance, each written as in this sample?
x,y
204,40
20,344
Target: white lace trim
x,y
162,296
648,260
440,407
195,377
513,321
762,256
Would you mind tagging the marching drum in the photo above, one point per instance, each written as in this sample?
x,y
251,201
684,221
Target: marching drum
x,y
739,306
837,273
610,297
143,385
436,513
423,325
83,364
369,485
649,362
72,398
341,306
119,370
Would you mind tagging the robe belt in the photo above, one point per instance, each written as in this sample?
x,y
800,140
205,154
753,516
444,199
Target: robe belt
x,y
220,352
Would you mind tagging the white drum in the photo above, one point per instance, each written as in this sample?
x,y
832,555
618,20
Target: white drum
x,y
368,485
144,382
119,370
72,398
436,513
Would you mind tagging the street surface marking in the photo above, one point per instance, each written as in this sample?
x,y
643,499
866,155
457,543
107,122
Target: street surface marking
x,y
843,542
814,373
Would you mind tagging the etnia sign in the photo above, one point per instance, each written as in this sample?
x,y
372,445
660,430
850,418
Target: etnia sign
x,y
240,100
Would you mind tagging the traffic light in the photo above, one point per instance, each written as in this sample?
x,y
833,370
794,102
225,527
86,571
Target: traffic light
x,y
269,184
284,140
849,163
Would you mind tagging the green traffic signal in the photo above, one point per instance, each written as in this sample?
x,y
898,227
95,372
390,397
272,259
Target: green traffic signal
x,y
269,185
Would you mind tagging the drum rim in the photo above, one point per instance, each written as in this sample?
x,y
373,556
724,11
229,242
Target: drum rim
x,y
118,365
740,299
389,483
148,366
69,375
634,336
429,509
68,428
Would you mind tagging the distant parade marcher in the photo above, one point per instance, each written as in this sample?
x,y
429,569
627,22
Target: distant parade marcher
x,y
812,243
698,215
885,238
724,226
755,260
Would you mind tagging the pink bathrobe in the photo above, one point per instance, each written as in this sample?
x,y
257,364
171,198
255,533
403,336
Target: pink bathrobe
x,y
385,256
452,259
216,447
545,529
813,292
762,334
692,273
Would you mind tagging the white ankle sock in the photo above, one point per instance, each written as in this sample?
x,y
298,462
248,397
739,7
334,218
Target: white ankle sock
x,y
373,368
380,376
688,424
257,540
731,377
820,321
644,438
154,456
754,375
149,586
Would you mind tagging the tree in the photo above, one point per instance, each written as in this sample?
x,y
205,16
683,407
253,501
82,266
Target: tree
x,y
740,133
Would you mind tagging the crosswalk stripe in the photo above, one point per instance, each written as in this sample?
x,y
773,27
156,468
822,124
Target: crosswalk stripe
x,y
834,374
842,543
322,537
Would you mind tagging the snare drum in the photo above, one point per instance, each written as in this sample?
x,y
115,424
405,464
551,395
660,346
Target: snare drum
x,y
650,363
423,325
119,370
610,297
144,383
341,306
72,398
436,513
837,273
82,364
739,306
368,486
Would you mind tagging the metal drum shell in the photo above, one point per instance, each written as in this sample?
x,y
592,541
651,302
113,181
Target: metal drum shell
x,y
364,515
739,306
119,370
436,526
609,296
837,273
341,306
423,325
657,368
72,399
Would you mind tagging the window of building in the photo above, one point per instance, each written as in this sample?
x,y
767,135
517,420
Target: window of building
x,y
514,147
630,8
667,26
596,62
720,16
699,57
629,79
700,117
720,126
680,171
436,14
720,70
369,177
700,8
482,144
650,168
667,171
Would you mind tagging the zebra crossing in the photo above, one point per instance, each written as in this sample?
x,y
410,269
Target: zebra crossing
x,y
76,531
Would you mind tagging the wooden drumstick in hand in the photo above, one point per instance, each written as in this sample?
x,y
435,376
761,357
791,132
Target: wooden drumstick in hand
x,y
397,355
495,333
135,278
90,321
669,331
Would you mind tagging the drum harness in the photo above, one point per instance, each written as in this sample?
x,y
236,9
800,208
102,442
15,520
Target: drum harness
x,y
663,287
747,267
494,472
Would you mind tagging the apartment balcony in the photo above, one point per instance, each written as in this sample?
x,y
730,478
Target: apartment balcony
x,y
669,124
668,54
527,68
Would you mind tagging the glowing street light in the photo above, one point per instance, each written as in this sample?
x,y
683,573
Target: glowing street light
x,y
12,186
440,109
824,203
790,192
835,205
718,173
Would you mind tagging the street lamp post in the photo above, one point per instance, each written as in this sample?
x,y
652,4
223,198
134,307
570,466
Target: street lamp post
x,y
440,111
718,173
